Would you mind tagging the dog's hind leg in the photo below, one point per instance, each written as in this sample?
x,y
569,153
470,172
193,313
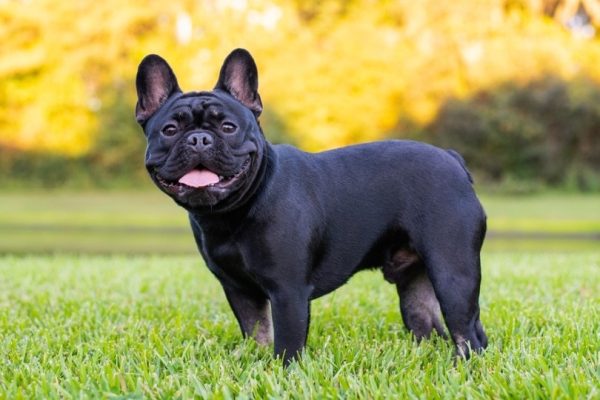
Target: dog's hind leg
x,y
455,273
419,306
458,293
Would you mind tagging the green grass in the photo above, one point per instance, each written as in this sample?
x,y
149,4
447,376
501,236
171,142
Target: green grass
x,y
544,213
99,222
159,327
115,326
148,221
150,209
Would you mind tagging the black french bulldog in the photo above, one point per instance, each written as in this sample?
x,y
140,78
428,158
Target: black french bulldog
x,y
279,227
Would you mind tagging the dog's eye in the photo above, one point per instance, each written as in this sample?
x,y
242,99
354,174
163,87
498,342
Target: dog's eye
x,y
169,130
228,127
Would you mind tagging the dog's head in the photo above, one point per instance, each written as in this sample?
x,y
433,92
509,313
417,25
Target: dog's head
x,y
205,149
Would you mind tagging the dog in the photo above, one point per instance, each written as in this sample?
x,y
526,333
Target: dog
x,y
279,227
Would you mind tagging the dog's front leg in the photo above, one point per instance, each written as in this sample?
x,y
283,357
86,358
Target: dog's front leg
x,y
253,313
290,308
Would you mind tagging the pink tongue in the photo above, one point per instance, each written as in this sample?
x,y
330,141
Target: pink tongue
x,y
199,178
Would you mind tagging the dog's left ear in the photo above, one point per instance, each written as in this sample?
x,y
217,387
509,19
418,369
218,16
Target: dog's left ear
x,y
239,78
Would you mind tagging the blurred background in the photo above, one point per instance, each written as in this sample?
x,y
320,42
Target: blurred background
x,y
514,85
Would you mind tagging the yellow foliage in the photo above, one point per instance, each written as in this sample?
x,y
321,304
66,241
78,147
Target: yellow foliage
x,y
334,72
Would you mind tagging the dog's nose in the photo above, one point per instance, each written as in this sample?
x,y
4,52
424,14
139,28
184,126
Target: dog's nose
x,y
200,141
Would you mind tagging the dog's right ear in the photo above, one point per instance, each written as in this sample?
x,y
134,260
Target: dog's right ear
x,y
155,83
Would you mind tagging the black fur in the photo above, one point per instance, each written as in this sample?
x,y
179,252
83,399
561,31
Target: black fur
x,y
282,226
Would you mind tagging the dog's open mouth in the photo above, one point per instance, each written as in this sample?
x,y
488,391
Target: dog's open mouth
x,y
201,178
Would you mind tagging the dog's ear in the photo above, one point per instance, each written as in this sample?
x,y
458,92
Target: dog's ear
x,y
239,78
155,83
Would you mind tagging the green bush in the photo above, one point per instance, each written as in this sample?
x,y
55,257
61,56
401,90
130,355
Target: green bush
x,y
546,132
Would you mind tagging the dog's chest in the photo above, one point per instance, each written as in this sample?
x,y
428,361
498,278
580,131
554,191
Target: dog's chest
x,y
220,248
224,254
224,258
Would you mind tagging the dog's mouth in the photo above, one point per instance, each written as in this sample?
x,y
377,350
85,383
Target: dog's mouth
x,y
202,178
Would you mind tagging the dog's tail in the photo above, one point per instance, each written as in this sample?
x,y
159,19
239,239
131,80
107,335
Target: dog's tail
x,y
462,163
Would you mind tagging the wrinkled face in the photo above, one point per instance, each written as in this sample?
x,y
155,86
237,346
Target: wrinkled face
x,y
204,149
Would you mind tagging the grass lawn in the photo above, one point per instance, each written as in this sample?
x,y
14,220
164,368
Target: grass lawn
x,y
100,222
148,221
544,212
159,327
142,326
